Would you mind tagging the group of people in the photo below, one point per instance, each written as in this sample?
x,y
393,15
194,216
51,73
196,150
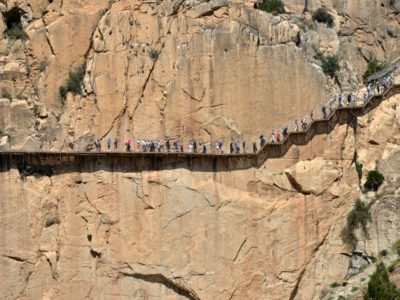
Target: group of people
x,y
143,145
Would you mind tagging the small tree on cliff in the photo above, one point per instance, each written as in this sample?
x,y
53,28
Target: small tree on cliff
x,y
380,287
74,83
274,7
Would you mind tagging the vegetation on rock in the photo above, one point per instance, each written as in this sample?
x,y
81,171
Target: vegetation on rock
x,y
321,15
358,217
380,287
374,180
330,65
273,6
16,32
373,67
74,83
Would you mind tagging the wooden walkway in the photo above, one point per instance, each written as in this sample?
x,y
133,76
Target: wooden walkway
x,y
49,162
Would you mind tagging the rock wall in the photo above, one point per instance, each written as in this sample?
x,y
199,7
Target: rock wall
x,y
190,69
187,69
272,232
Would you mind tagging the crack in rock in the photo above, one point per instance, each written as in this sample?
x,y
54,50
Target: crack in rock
x,y
161,279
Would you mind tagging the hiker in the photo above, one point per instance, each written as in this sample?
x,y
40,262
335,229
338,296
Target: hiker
x,y
303,123
312,115
330,106
237,147
231,147
348,99
168,146
221,147
262,141
353,99
339,100
273,137
108,143
138,143
296,125
190,148
98,145
278,137
323,109
128,145
284,131
194,147
115,144
254,147
244,146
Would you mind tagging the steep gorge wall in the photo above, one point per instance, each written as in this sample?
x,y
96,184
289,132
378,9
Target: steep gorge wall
x,y
269,233
188,69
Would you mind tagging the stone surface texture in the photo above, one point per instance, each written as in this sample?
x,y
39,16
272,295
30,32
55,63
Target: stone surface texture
x,y
208,70
179,233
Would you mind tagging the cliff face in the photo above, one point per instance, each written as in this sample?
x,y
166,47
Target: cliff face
x,y
189,69
272,233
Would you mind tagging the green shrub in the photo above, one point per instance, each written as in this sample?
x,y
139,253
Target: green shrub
x,y
383,252
330,65
354,289
322,16
74,84
16,32
373,67
358,217
374,180
380,287
273,6
334,285
393,265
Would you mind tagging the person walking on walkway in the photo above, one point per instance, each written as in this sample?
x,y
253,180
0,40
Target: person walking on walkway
x,y
168,145
262,141
128,145
323,109
312,115
254,147
296,125
108,143
303,123
273,140
98,145
115,144
231,148
244,146
278,137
